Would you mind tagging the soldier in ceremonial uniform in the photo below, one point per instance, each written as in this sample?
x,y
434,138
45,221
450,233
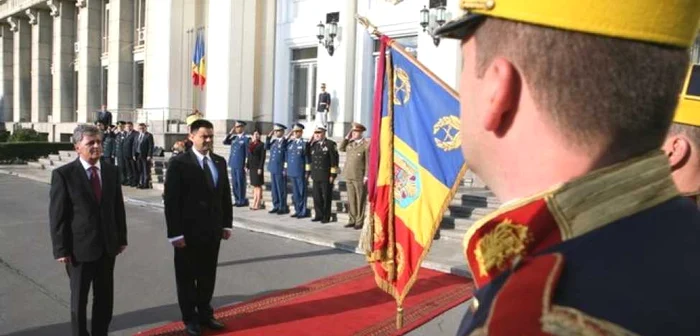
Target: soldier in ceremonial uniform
x,y
298,170
682,144
277,147
323,155
354,173
239,142
564,108
119,136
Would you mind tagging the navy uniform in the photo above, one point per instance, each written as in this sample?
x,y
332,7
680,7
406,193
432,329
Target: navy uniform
x,y
298,169
278,151
323,156
583,257
237,162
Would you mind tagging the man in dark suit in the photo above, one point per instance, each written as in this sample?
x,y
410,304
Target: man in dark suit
x,y
128,155
88,228
323,155
104,116
143,154
198,213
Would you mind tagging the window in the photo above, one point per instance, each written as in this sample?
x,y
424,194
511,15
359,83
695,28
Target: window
x,y
104,85
105,27
138,85
139,23
694,82
303,83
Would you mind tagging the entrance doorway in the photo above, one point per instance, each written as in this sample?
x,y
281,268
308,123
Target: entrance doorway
x,y
303,83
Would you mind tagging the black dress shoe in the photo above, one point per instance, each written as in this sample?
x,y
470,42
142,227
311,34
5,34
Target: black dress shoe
x,y
282,212
193,329
273,211
294,216
213,324
325,221
358,227
349,225
316,220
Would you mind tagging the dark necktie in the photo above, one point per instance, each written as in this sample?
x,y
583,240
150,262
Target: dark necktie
x,y
95,182
207,172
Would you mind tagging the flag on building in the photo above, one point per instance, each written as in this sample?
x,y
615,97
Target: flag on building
x,y
199,77
416,166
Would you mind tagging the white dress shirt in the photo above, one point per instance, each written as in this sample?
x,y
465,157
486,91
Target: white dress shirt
x,y
214,173
87,167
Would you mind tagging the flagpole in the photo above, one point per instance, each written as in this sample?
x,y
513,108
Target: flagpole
x,y
194,99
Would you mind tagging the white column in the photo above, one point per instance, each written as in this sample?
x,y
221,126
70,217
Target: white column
x,y
6,73
282,101
364,72
239,65
63,71
22,66
41,24
89,39
121,57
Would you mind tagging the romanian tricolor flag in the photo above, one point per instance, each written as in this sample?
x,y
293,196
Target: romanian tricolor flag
x,y
199,67
416,165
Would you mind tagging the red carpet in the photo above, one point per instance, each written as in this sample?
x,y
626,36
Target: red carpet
x,y
348,303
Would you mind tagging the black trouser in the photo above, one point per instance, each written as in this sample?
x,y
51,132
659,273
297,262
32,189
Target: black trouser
x,y
322,194
99,273
131,172
121,168
195,276
144,169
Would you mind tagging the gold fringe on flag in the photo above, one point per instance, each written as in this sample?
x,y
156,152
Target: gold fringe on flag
x,y
399,317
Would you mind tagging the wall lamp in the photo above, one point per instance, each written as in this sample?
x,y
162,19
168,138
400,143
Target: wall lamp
x,y
428,26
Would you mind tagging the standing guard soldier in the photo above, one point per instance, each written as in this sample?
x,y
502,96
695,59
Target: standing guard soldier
x,y
119,137
592,219
298,170
354,173
277,147
239,142
323,155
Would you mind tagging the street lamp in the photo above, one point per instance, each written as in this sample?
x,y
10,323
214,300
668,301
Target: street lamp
x,y
326,35
440,19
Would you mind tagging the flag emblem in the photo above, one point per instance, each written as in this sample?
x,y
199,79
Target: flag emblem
x,y
407,181
448,128
402,87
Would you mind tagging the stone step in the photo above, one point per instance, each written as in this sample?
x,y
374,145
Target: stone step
x,y
68,154
35,164
55,157
46,162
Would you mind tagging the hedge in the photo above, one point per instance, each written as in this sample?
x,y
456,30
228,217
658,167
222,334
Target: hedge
x,y
25,151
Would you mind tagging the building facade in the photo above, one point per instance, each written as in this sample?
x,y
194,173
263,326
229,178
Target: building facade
x,y
63,59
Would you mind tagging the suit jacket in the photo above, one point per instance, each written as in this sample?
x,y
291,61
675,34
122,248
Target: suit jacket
x,y
193,207
146,145
323,156
356,160
128,145
81,227
108,145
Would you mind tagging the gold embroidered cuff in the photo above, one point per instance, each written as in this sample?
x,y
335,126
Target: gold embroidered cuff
x,y
334,170
308,167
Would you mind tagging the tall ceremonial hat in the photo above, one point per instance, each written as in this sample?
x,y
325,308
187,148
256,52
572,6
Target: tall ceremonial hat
x,y
192,118
239,123
665,22
688,111
358,127
279,127
297,127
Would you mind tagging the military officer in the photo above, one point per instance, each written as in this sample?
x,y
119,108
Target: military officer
x,y
119,137
239,142
682,145
572,144
298,170
354,172
277,146
322,153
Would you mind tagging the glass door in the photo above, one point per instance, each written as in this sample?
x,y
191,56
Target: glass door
x,y
303,83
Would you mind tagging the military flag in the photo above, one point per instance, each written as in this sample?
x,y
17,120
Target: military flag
x,y
199,77
416,166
